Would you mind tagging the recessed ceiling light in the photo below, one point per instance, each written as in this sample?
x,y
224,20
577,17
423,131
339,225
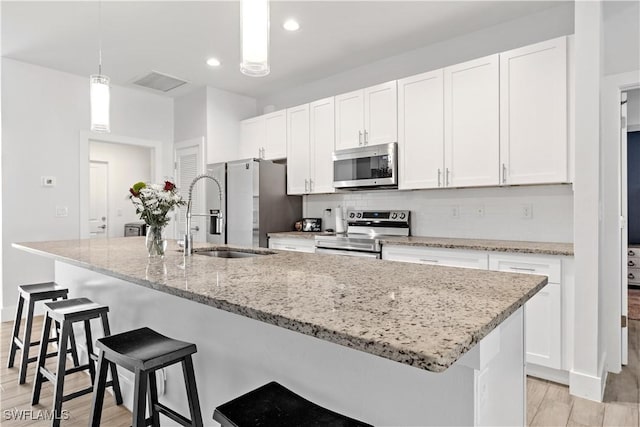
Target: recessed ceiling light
x,y
291,25
213,62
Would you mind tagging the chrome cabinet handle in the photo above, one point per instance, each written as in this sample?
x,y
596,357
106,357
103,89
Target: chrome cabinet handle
x,y
631,263
359,137
195,228
439,175
306,185
446,178
103,226
366,137
504,173
429,260
523,269
290,248
310,185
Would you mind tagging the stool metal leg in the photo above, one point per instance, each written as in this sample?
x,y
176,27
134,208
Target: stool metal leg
x,y
98,391
153,400
60,373
16,332
115,381
139,399
192,391
26,342
87,334
42,357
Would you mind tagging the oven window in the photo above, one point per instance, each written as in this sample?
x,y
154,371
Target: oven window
x,y
362,168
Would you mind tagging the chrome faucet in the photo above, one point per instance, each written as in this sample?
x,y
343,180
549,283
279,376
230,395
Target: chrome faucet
x,y
188,237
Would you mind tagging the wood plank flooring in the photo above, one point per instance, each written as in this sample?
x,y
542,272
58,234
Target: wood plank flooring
x,y
548,404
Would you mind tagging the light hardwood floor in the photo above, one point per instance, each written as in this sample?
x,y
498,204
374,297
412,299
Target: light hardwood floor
x,y
548,404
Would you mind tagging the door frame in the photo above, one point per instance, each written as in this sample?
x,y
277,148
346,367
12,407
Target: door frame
x,y
102,162
614,264
157,157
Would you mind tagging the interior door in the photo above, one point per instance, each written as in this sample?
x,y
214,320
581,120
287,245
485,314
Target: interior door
x,y
624,237
189,162
98,199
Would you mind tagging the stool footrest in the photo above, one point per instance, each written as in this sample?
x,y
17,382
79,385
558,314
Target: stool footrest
x,y
76,369
77,394
172,414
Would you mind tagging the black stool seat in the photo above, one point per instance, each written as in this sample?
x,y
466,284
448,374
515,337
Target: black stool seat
x,y
274,405
144,349
47,290
75,308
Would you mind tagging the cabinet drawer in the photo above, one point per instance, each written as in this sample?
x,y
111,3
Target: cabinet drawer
x,y
444,257
550,267
295,245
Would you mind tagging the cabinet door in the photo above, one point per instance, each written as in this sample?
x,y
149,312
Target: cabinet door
x,y
251,137
381,114
322,145
275,145
421,131
533,113
544,327
298,150
349,110
471,119
431,256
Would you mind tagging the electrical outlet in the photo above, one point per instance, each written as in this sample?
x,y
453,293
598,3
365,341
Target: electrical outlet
x,y
62,211
455,211
480,211
48,181
527,211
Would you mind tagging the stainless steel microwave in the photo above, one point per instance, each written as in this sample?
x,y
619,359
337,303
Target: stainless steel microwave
x,y
369,166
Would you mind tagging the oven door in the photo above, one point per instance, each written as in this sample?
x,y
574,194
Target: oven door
x,y
375,255
374,165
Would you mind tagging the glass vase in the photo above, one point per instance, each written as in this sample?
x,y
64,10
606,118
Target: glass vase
x,y
156,243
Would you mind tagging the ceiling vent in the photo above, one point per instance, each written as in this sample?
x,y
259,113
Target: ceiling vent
x,y
159,81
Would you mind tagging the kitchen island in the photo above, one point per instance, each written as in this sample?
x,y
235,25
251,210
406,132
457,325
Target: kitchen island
x,y
384,342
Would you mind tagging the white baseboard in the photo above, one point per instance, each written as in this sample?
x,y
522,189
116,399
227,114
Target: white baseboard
x,y
556,375
589,386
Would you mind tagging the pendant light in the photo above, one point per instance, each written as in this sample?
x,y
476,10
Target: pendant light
x,y
99,90
254,26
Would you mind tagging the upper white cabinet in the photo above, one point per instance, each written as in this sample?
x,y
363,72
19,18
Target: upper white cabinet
x,y
471,123
421,131
310,130
367,116
533,113
298,150
264,137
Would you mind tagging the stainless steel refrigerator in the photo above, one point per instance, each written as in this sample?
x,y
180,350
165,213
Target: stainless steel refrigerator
x,y
255,203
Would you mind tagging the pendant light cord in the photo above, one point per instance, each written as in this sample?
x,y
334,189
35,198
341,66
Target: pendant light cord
x,y
100,37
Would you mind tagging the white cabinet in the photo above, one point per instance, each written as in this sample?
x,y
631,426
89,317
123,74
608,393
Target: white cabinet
x,y
471,123
366,116
264,137
544,311
533,113
251,137
310,131
444,257
298,150
322,145
421,131
293,244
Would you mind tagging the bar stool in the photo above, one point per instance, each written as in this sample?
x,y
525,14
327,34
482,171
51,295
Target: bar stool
x,y
143,351
30,294
67,312
276,406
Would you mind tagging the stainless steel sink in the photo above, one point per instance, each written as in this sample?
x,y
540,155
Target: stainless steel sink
x,y
231,254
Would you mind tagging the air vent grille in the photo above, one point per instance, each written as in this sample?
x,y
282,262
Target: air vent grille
x,y
159,81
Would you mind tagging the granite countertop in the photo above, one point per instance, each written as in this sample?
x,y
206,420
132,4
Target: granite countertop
x,y
516,246
420,315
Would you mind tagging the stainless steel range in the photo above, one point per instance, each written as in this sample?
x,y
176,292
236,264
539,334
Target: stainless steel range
x,y
364,230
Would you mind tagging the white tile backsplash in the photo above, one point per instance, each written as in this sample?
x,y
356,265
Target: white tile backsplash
x,y
502,208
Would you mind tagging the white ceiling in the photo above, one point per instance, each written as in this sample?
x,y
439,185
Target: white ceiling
x,y
176,38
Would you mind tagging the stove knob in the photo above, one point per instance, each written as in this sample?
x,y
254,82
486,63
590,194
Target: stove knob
x,y
351,215
394,215
403,216
359,214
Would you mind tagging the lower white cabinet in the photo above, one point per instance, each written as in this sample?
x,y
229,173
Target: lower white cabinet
x,y
445,257
293,244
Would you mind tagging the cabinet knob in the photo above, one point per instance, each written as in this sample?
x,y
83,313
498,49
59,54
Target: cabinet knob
x,y
631,253
631,263
631,276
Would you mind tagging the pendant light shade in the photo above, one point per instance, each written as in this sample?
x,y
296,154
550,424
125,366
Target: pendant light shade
x,y
100,103
254,17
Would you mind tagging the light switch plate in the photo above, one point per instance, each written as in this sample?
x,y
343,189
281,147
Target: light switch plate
x,y
48,181
62,211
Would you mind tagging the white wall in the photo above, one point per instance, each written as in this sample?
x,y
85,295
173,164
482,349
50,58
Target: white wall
x,y
127,164
190,115
621,40
431,211
224,112
43,113
547,24
633,107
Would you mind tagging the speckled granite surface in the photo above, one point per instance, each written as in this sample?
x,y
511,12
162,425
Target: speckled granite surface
x,y
421,315
543,248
